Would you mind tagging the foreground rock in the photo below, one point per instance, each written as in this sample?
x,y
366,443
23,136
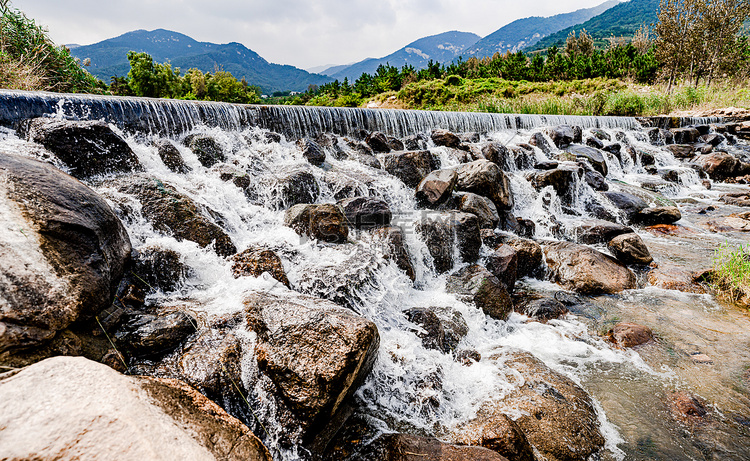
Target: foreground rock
x,y
483,177
62,252
315,352
436,188
322,222
630,249
70,408
88,147
630,334
173,213
585,270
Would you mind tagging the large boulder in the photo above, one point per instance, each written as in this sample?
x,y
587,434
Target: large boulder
x,y
499,154
175,214
151,335
503,263
476,284
483,177
62,252
322,222
628,204
170,156
562,135
718,165
443,231
206,148
88,148
311,151
378,142
445,138
563,180
366,212
688,135
498,433
585,270
70,408
436,188
315,352
658,215
411,167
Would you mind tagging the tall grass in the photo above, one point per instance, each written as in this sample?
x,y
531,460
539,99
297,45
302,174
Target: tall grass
x,y
731,273
29,59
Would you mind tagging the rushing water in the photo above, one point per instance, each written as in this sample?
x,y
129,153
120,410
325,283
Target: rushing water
x,y
629,387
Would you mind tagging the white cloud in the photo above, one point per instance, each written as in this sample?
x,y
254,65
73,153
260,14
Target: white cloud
x,y
297,32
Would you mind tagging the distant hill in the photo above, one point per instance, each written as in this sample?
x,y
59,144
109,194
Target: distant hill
x,y
109,58
526,32
622,20
439,48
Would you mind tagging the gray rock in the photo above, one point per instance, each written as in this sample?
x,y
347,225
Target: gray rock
x,y
591,231
478,285
479,206
658,215
148,335
206,148
443,231
291,185
483,177
392,239
436,188
562,135
171,156
585,270
502,262
411,167
378,142
538,140
312,151
594,156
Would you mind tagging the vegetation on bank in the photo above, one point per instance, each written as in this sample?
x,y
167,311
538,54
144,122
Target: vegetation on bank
x,y
731,273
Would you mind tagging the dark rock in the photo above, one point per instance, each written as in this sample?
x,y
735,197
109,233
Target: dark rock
x,y
395,144
253,262
596,181
630,249
601,134
593,156
538,140
366,212
563,180
62,253
160,268
718,165
485,178
322,222
436,188
88,148
704,148
647,159
271,137
445,138
378,142
498,154
577,305
468,357
316,353
411,167
290,186
585,270
551,165
393,240
228,173
614,149
171,156
442,230
682,151
481,207
577,134
311,151
175,214
712,139
627,203
406,447
471,137
503,264
508,222
542,309
414,142
658,215
206,148
687,135
146,335
593,231
443,327
630,334
562,135
482,288
596,143
526,228
529,253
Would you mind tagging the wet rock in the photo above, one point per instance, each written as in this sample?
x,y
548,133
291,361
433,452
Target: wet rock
x,y
483,177
600,134
316,353
542,309
578,305
442,231
378,142
206,148
322,222
91,411
502,262
148,335
712,139
175,214
468,357
393,240
436,188
682,151
481,207
291,185
556,416
406,447
414,142
228,173
479,286
596,181
499,434
732,223
585,270
658,215
596,143
88,148
630,334
737,199
614,149
395,144
171,156
672,277
688,135
445,138
62,252
443,328
718,165
529,253
498,154
470,137
630,249
538,140
311,151
562,135
594,156
366,212
254,261
647,159
411,167
563,180
551,165
593,231
629,204
686,407
271,137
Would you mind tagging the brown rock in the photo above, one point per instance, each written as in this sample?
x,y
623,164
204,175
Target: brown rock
x,y
718,165
687,407
253,262
630,334
630,249
500,434
445,138
405,447
671,277
436,187
393,240
482,288
443,231
411,167
485,178
503,264
585,270
323,222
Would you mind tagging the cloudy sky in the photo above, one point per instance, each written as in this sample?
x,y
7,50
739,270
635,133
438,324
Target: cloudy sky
x,y
302,33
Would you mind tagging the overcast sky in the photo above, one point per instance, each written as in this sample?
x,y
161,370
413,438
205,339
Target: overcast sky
x,y
302,33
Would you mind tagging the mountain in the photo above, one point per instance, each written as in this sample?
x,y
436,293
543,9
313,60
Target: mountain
x,y
622,20
109,58
439,48
525,32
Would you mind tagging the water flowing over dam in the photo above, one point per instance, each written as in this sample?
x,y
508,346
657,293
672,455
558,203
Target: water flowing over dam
x,y
350,282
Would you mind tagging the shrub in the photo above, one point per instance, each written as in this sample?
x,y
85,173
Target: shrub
x,y
731,273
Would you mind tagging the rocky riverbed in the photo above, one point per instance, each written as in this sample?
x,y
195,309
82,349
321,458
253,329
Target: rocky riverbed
x,y
528,293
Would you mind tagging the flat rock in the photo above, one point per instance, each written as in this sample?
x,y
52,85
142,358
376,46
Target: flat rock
x,y
585,270
657,215
630,334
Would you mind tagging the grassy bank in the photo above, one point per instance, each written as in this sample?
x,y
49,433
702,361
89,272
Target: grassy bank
x,y
576,97
731,274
